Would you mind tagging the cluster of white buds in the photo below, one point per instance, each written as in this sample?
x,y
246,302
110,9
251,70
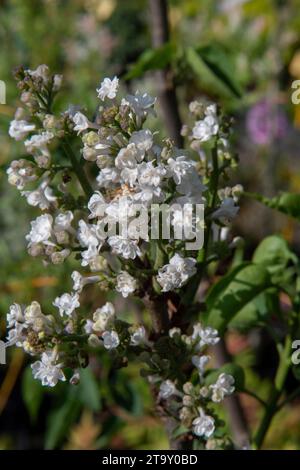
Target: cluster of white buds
x,y
193,399
128,167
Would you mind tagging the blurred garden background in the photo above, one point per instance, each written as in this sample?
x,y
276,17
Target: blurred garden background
x,y
242,54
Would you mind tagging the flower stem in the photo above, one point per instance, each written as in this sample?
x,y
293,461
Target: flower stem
x,y
78,170
289,398
271,409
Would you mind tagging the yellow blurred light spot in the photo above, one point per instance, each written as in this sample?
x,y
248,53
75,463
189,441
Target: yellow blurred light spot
x,y
45,281
294,67
297,116
102,8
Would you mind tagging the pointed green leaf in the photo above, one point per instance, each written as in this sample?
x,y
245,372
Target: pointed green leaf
x,y
234,292
152,59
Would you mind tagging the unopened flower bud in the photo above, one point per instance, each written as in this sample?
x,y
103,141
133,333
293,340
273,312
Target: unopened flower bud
x,y
75,379
188,388
94,341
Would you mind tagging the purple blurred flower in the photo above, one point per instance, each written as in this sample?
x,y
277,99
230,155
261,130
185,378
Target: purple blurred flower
x,y
266,122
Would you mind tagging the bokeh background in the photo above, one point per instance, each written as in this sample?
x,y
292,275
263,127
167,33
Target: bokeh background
x,y
247,55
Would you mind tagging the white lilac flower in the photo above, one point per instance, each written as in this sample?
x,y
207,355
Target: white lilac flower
x,y
139,103
126,284
104,317
15,315
226,212
38,141
127,157
87,234
120,209
47,371
80,281
208,336
35,318
42,71
96,205
19,129
143,140
203,425
167,389
110,339
32,312
42,197
81,122
138,336
183,171
148,195
207,127
89,153
184,221
124,247
63,221
176,273
21,172
150,175
104,150
43,159
88,327
77,279
89,256
180,168
57,81
107,177
41,229
108,88
200,362
174,332
16,335
191,185
224,386
67,303
129,175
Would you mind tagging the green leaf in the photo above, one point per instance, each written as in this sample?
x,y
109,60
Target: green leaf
x,y
32,393
152,59
61,419
230,295
220,63
257,312
219,287
157,256
213,70
287,203
274,252
88,390
233,369
179,431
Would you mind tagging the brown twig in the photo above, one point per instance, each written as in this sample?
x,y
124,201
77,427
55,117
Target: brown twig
x,y
164,78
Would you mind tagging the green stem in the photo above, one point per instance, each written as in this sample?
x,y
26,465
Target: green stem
x,y
289,398
215,176
271,409
214,188
77,168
